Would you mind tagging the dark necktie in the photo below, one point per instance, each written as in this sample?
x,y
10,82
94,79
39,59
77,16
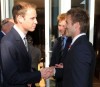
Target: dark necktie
x,y
26,43
62,44
62,50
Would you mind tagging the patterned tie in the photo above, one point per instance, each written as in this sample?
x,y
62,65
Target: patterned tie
x,y
62,50
62,44
26,43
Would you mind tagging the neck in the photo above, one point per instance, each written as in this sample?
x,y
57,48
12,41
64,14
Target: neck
x,y
22,29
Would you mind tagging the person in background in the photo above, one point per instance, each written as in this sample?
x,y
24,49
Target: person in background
x,y
34,52
15,59
60,46
6,26
36,56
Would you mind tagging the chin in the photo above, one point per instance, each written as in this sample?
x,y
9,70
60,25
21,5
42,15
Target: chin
x,y
32,30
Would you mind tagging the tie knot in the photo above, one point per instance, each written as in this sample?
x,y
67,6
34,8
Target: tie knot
x,y
62,38
24,38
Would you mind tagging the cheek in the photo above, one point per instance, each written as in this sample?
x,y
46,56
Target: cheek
x,y
59,27
70,31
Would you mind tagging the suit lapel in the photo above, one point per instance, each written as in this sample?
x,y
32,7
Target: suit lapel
x,y
68,42
20,45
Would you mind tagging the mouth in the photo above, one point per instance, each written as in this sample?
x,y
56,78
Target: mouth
x,y
34,27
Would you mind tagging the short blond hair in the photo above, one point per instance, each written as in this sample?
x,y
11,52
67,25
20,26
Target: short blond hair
x,y
20,8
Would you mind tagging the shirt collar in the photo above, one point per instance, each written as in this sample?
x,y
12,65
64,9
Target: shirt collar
x,y
76,37
65,38
20,32
3,32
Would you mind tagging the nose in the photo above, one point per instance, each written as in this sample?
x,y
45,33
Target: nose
x,y
35,21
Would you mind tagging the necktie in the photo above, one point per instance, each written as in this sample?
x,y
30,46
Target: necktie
x,y
62,43
26,43
62,50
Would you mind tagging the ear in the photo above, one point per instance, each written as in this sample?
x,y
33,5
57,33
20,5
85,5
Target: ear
x,y
20,18
77,25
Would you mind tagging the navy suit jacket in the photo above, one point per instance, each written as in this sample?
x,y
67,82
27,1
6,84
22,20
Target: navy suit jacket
x,y
79,64
16,62
56,57
56,53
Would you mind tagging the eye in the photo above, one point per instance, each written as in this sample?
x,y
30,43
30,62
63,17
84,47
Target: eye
x,y
33,18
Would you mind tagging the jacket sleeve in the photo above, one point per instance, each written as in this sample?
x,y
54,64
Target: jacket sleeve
x,y
11,65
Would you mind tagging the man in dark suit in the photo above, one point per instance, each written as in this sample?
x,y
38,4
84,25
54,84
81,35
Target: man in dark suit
x,y
79,64
15,59
60,46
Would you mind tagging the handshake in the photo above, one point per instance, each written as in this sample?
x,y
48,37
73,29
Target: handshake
x,y
50,71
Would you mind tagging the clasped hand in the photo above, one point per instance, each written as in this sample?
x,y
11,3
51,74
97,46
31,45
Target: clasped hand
x,y
49,71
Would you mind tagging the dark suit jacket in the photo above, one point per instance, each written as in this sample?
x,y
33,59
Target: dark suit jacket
x,y
79,64
56,53
16,62
56,57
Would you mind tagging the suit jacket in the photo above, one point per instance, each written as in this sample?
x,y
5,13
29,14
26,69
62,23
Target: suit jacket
x,y
79,64
56,53
16,62
57,58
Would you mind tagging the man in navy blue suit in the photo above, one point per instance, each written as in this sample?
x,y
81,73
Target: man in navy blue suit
x,y
15,58
79,64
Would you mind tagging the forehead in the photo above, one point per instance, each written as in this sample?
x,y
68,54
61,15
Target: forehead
x,y
69,19
31,12
63,22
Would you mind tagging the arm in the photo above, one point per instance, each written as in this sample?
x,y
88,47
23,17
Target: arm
x,y
14,70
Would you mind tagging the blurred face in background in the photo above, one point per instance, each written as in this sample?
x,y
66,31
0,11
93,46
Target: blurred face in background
x,y
62,27
7,24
